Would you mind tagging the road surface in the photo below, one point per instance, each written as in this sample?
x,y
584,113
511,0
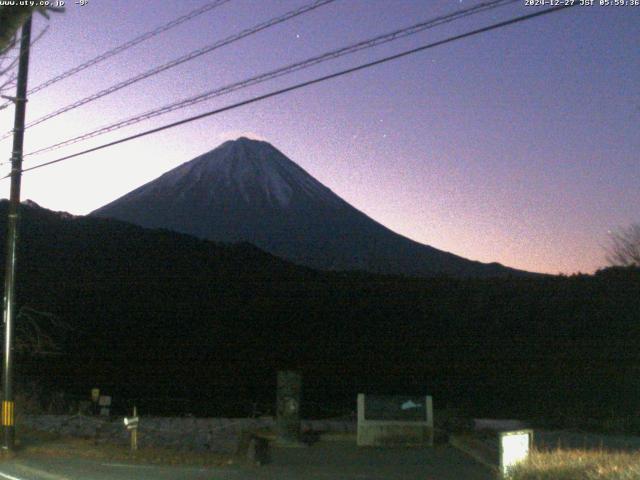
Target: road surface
x,y
325,460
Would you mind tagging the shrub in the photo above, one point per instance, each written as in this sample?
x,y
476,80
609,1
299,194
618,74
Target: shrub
x,y
578,464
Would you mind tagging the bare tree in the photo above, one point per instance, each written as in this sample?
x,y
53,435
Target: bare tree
x,y
11,19
9,59
624,247
40,333
7,70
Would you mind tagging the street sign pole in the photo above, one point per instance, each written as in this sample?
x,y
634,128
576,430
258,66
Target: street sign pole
x,y
132,425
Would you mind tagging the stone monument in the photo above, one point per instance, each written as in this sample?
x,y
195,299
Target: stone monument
x,y
289,395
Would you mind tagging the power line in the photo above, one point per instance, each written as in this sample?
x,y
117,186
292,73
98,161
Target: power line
x,y
125,46
370,43
306,84
185,58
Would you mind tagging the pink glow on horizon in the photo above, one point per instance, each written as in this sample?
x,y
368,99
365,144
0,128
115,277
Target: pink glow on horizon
x,y
496,148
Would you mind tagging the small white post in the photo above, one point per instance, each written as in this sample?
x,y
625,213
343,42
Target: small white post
x,y
134,432
429,409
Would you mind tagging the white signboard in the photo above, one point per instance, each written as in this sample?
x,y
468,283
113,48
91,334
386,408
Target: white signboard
x,y
514,448
131,422
394,419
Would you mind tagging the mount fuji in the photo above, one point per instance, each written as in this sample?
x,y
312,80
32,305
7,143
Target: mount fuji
x,y
248,191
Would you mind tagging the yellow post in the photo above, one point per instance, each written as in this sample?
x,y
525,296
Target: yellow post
x,y
7,414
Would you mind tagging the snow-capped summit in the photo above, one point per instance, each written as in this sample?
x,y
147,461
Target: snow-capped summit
x,y
254,169
247,190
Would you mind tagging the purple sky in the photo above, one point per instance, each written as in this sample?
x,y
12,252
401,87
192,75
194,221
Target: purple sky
x,y
518,146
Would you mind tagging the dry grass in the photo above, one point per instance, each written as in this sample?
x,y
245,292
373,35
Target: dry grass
x,y
567,464
46,444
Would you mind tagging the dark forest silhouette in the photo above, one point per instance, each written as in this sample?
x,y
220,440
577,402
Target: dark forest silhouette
x,y
159,313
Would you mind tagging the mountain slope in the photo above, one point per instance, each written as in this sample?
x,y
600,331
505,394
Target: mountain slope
x,y
247,190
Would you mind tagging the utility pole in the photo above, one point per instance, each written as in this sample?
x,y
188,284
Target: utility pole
x,y
8,410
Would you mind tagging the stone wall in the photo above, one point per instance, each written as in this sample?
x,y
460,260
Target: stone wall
x,y
182,433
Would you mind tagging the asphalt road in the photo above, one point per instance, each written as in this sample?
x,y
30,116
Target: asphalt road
x,y
330,460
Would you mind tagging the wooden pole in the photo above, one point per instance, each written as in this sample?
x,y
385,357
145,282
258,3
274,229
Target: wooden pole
x,y
134,432
8,407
